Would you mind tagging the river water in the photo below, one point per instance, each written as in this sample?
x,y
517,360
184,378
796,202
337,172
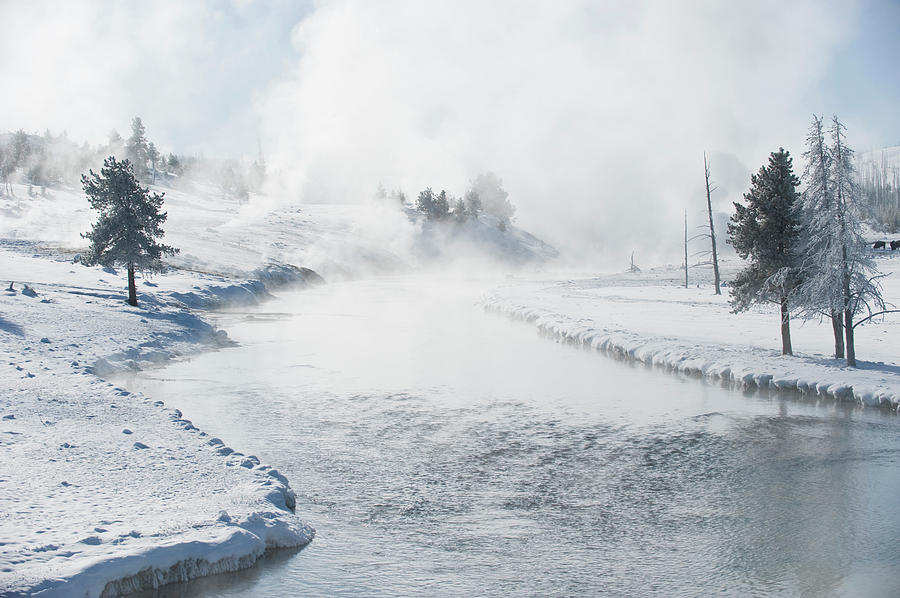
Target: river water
x,y
440,450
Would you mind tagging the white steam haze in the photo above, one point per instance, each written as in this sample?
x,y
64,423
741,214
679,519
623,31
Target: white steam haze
x,y
595,114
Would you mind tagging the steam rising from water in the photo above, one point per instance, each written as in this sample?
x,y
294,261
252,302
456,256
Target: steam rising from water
x,y
596,115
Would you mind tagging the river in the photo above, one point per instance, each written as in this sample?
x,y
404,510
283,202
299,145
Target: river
x,y
440,450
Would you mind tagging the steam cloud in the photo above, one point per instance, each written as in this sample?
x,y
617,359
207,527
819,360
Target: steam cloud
x,y
596,115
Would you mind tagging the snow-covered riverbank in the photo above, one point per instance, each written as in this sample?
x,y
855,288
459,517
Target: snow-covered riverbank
x,y
104,492
650,317
101,491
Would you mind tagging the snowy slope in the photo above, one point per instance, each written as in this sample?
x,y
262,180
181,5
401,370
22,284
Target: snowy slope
x,y
650,317
102,491
97,485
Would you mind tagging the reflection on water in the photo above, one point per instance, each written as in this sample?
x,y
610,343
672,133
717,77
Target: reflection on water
x,y
439,450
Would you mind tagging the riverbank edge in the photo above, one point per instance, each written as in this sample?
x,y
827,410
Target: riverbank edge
x,y
731,366
239,544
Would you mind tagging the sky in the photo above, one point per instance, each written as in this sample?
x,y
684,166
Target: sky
x,y
596,115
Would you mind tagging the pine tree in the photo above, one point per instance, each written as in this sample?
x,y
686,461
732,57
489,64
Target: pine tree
x,y
459,211
839,275
425,202
441,205
153,155
473,204
435,207
137,149
818,199
494,199
766,231
129,224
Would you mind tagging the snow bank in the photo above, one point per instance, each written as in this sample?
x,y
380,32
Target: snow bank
x,y
102,491
105,514
262,282
648,320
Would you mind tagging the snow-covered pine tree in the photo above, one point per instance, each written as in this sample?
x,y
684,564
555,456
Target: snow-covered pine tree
x,y
425,202
129,225
137,150
817,197
459,211
494,199
473,204
766,232
441,205
839,277
153,156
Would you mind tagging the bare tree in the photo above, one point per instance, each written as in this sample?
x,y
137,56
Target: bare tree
x,y
712,228
685,250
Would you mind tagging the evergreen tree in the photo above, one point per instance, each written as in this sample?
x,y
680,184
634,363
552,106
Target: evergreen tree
x,y
818,199
839,275
435,207
137,150
425,202
766,231
173,165
153,156
399,196
473,204
129,224
441,206
494,199
460,214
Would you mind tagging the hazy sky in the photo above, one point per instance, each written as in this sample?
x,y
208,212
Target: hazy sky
x,y
595,114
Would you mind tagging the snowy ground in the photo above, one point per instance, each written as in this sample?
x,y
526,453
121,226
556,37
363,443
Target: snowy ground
x,y
97,485
102,491
649,316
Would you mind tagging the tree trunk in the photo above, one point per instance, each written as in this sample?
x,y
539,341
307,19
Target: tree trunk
x,y
848,329
132,290
785,328
838,329
848,313
712,229
685,250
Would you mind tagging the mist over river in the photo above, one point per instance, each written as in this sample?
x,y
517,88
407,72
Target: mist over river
x,y
441,450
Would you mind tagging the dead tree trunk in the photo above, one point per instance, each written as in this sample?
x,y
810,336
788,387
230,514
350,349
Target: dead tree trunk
x,y
685,250
712,228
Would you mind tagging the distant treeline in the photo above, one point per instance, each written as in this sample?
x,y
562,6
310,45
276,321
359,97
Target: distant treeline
x,y
44,161
485,195
879,179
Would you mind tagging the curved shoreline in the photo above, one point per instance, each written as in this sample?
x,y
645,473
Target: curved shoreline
x,y
742,367
108,492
